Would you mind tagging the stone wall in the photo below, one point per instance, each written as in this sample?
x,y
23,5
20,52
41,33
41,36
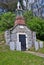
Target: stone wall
x,y
7,37
30,36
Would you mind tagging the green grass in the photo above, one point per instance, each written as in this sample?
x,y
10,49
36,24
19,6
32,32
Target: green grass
x,y
19,58
41,50
8,57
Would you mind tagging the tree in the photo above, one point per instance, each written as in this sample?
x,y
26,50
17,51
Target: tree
x,y
35,24
6,21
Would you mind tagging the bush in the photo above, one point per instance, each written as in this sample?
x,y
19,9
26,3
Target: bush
x,y
35,24
6,20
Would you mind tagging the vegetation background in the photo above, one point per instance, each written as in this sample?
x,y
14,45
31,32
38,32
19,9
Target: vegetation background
x,y
34,23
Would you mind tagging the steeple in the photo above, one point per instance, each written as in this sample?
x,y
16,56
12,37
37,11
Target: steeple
x,y
18,5
19,10
19,17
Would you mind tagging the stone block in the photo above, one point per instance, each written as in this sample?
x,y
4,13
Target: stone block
x,y
12,46
7,37
18,46
34,36
41,44
36,44
7,41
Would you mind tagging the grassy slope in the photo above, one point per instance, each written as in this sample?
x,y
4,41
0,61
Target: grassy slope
x,y
19,58
8,57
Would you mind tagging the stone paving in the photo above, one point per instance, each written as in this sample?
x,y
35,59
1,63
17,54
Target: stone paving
x,y
36,53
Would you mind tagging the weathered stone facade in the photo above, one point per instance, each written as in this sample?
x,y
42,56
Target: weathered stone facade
x,y
13,35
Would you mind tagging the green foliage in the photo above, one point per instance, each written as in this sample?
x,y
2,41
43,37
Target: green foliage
x,y
41,50
6,20
35,24
28,15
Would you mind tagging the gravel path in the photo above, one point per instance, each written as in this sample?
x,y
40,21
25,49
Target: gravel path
x,y
36,53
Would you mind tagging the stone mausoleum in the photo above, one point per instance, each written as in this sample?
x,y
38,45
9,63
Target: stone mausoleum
x,y
20,37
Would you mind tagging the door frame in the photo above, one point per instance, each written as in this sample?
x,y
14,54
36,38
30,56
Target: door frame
x,y
26,39
22,39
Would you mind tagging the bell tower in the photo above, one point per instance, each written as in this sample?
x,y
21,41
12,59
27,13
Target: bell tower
x,y
19,15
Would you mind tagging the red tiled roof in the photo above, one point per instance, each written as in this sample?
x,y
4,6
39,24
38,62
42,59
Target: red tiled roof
x,y
19,20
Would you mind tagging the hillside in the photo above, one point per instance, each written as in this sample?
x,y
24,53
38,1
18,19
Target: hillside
x,y
19,58
2,42
8,57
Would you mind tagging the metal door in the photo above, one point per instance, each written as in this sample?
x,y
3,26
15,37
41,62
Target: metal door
x,y
22,39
